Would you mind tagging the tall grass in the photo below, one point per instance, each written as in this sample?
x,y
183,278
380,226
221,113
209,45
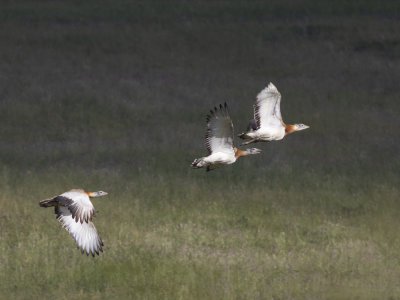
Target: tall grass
x,y
115,98
172,237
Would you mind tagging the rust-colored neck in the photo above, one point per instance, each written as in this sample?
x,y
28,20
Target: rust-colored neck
x,y
239,152
289,129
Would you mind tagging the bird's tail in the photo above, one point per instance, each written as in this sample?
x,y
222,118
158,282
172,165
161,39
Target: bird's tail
x,y
250,128
198,163
48,202
245,135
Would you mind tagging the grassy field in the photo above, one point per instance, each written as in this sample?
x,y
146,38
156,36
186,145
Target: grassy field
x,y
113,97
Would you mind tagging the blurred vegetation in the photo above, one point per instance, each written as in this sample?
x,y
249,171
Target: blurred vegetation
x,y
113,96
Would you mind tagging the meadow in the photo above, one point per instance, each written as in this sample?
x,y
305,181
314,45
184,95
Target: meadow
x,y
113,96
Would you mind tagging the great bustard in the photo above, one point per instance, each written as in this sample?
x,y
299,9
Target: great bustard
x,y
267,124
74,210
219,141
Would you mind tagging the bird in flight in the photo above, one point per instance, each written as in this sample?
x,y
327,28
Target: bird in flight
x,y
267,124
74,211
219,141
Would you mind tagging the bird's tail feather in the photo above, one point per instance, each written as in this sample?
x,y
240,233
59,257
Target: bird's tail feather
x,y
48,202
242,135
198,163
250,128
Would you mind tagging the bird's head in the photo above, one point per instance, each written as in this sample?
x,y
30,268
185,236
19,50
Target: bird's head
x,y
252,151
248,151
97,194
298,127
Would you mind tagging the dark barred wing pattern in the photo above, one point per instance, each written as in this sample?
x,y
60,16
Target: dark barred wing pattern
x,y
219,134
84,234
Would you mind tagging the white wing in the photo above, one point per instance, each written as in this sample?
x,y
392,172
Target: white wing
x,y
219,135
267,109
85,234
79,204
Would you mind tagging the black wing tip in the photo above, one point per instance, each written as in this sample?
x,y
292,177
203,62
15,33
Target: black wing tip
x,y
223,107
219,109
92,253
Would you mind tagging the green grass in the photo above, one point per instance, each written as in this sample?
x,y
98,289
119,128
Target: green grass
x,y
188,238
114,97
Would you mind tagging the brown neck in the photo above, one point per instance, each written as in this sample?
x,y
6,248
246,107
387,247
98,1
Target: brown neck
x,y
239,152
289,129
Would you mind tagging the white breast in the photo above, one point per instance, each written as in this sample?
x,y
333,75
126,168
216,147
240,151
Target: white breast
x,y
221,158
270,133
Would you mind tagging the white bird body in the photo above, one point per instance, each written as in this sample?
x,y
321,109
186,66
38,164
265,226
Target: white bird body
x,y
74,211
267,124
219,141
82,203
216,160
268,133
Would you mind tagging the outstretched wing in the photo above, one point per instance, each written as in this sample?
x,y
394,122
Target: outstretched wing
x,y
267,109
85,234
79,204
219,135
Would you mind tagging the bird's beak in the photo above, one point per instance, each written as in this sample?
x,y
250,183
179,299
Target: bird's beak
x,y
303,127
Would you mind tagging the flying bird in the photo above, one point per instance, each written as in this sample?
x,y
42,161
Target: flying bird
x,y
267,124
219,141
74,211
